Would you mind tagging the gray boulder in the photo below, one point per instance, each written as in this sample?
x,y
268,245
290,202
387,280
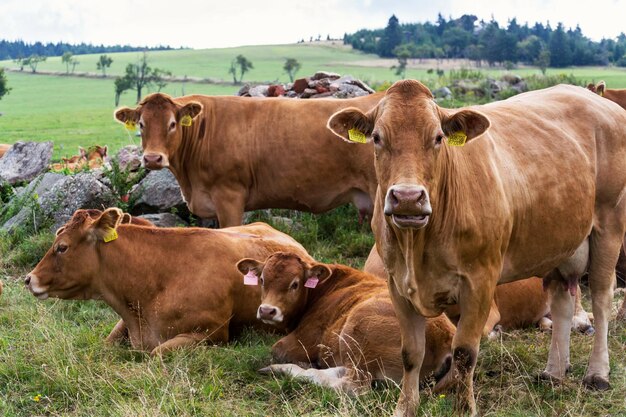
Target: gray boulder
x,y
25,160
165,220
56,205
158,191
259,91
443,92
129,158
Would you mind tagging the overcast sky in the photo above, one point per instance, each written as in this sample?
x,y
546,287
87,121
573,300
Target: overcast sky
x,y
224,23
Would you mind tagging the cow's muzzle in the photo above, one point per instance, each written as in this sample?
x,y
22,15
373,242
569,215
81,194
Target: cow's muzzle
x,y
155,161
32,283
269,314
408,205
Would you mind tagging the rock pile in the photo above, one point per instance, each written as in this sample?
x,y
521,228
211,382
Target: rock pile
x,y
321,84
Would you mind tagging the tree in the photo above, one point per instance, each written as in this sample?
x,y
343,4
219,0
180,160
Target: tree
x,y
291,67
391,38
560,51
241,63
3,84
34,60
140,75
103,63
543,60
20,62
121,84
67,60
402,52
74,62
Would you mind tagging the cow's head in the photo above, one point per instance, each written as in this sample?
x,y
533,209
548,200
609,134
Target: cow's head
x,y
286,280
67,269
161,122
411,136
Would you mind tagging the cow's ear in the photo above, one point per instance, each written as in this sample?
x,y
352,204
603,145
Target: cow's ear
x,y
82,152
126,115
248,264
601,88
105,226
59,230
352,125
126,219
320,272
464,123
591,87
191,109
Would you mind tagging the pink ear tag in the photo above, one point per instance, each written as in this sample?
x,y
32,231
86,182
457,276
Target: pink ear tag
x,y
311,282
250,278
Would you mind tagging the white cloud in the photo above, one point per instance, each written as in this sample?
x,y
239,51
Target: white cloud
x,y
202,23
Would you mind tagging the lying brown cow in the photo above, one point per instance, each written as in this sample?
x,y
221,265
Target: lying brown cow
x,y
340,318
93,158
4,148
515,305
172,287
462,196
231,154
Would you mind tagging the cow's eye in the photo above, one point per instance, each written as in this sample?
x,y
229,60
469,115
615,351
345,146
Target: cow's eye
x,y
262,281
439,139
62,248
141,125
294,285
172,125
376,138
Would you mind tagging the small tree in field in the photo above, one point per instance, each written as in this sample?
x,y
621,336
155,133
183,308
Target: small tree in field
x,y
291,67
34,60
241,63
104,62
543,60
140,75
67,60
3,84
121,85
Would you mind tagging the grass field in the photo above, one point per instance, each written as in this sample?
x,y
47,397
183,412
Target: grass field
x,y
52,358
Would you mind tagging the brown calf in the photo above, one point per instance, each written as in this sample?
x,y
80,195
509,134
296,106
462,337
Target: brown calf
x,y
4,148
172,287
340,318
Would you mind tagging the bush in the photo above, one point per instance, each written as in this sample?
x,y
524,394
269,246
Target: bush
x,y
121,182
537,82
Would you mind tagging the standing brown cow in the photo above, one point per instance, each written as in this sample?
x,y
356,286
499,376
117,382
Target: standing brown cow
x,y
453,221
172,287
340,319
232,154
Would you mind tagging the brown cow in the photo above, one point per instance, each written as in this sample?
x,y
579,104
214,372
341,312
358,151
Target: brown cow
x,y
172,287
231,154
340,318
94,158
453,221
515,305
616,95
4,148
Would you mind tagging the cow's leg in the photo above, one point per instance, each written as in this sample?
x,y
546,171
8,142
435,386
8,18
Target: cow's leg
x,y
562,311
474,306
604,251
119,333
330,378
412,332
580,321
491,329
190,339
229,205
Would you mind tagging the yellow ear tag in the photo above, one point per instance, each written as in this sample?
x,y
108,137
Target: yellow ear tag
x,y
130,125
356,136
457,139
602,93
110,236
186,121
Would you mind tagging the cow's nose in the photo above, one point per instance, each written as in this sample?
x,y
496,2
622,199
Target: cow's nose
x,y
27,280
407,199
267,312
153,158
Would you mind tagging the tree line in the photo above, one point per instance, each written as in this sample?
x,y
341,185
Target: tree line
x,y
20,49
482,41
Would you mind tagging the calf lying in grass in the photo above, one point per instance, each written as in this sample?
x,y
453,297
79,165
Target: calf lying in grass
x,y
341,319
172,287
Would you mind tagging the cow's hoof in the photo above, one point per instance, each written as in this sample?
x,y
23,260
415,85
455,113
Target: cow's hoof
x,y
545,376
596,382
585,328
265,371
495,333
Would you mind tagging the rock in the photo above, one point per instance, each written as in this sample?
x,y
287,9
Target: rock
x,y
349,91
321,89
129,158
158,192
243,91
275,90
300,85
259,91
25,160
443,92
520,87
165,220
323,74
511,78
308,92
56,206
286,222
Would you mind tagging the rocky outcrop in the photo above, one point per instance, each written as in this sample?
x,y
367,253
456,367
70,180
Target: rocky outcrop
x,y
24,161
